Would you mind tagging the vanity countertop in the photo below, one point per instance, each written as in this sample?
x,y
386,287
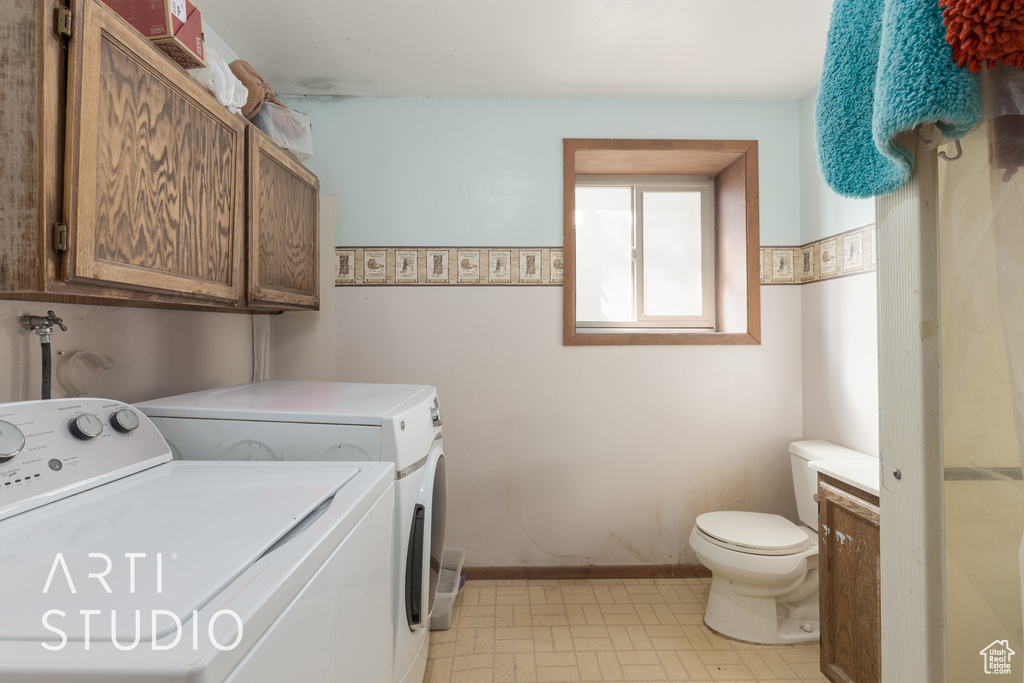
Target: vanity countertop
x,y
861,473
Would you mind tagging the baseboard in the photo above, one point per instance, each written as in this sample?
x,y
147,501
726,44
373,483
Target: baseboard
x,y
628,571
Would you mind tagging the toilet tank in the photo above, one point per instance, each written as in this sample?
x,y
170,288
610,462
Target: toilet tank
x,y
805,480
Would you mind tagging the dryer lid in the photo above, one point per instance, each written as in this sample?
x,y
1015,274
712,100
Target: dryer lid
x,y
337,403
757,531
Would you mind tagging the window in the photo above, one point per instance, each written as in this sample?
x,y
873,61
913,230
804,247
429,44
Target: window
x,y
661,242
645,252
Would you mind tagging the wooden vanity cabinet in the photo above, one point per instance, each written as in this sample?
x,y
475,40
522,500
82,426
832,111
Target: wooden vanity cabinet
x,y
123,181
850,575
284,219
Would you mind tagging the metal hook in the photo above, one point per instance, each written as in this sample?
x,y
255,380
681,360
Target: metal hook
x,y
959,152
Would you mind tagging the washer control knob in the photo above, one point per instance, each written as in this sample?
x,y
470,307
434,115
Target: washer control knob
x,y
125,421
12,440
86,426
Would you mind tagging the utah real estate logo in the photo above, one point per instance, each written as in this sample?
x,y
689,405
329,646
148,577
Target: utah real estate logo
x,y
997,657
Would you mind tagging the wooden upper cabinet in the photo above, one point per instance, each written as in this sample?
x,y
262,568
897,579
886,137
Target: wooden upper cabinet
x,y
154,170
166,198
284,242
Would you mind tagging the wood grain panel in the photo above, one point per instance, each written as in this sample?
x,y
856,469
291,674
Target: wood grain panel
x,y
31,125
112,296
654,157
850,586
19,140
157,196
284,227
753,225
287,247
52,94
654,162
568,241
168,196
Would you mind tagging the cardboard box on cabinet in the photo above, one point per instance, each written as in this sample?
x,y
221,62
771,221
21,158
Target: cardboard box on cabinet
x,y
174,26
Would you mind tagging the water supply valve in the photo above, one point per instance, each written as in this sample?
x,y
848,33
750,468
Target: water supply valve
x,y
43,325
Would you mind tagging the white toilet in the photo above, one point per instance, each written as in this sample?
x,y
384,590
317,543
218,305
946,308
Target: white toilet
x,y
764,585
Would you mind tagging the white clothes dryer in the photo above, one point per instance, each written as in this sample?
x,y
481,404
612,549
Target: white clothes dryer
x,y
121,565
327,421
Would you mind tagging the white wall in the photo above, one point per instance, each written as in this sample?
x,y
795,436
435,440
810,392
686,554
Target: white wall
x,y
582,455
840,327
154,352
840,362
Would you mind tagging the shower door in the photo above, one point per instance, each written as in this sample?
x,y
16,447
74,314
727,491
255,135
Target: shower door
x,y
981,300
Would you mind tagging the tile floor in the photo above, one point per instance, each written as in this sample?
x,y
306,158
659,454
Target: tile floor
x,y
600,630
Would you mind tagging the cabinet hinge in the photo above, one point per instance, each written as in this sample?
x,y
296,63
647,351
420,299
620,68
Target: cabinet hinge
x,y
64,21
60,237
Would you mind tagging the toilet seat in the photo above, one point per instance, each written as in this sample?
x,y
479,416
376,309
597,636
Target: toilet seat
x,y
754,533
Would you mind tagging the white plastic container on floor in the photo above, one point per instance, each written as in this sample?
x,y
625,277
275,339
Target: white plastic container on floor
x,y
447,589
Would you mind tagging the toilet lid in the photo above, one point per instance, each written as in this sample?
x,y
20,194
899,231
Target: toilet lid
x,y
758,531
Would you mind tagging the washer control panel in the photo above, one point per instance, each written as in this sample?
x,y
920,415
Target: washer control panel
x,y
53,449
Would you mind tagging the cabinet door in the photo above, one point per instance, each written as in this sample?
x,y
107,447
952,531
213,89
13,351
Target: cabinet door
x,y
154,197
284,228
848,542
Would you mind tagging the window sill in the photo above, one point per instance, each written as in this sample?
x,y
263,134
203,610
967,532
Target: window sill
x,y
659,338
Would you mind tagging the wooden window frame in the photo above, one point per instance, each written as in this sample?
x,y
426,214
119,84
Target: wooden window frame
x,y
733,166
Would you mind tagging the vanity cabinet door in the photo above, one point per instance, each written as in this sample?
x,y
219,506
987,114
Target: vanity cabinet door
x,y
848,562
155,187
284,228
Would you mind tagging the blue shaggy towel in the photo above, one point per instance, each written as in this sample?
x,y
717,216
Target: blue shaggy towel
x,y
887,69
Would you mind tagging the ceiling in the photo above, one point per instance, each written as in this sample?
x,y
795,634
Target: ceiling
x,y
692,49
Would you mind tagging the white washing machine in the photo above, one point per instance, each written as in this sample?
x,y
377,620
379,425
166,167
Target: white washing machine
x,y
328,421
120,564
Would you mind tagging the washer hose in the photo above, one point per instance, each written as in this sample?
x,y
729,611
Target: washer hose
x,y
43,326
44,391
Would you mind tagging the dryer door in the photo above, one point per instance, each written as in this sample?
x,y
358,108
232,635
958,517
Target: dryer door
x,y
426,542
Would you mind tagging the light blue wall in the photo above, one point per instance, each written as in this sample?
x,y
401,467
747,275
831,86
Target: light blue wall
x,y
822,212
488,172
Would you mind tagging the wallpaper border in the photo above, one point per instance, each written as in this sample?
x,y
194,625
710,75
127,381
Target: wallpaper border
x,y
841,255
847,253
412,266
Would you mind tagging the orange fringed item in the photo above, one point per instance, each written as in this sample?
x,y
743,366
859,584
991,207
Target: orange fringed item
x,y
985,32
